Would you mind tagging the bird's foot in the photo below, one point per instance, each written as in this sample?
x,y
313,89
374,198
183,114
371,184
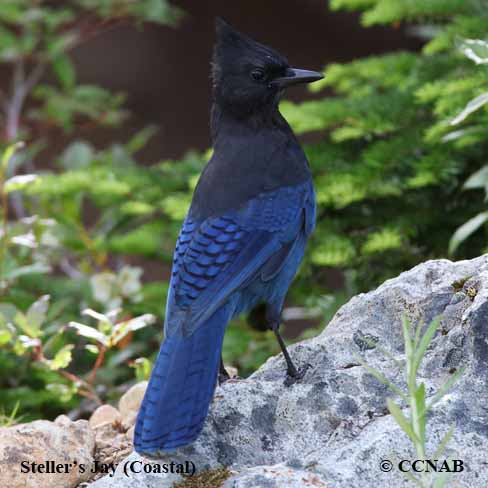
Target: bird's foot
x,y
295,375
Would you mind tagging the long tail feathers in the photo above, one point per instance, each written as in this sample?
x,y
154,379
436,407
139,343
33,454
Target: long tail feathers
x,y
181,387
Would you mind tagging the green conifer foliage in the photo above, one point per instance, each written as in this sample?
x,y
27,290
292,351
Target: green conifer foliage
x,y
400,138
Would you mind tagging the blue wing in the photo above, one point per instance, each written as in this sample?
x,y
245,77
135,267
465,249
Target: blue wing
x,y
216,256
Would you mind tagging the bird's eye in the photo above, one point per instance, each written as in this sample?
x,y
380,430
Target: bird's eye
x,y
258,74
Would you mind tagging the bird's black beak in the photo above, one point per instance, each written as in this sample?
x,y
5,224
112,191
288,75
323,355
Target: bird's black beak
x,y
296,76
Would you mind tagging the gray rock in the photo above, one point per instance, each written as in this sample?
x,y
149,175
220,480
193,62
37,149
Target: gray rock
x,y
333,428
278,476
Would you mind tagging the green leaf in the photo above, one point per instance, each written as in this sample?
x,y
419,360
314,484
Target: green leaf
x,y
64,70
37,312
419,399
7,312
408,351
134,208
445,388
89,332
92,348
476,50
401,420
418,330
7,155
468,228
59,44
36,268
9,45
142,368
472,106
465,132
381,378
159,11
19,182
336,250
381,241
479,179
22,323
176,205
139,141
123,328
102,318
444,441
424,344
62,359
5,335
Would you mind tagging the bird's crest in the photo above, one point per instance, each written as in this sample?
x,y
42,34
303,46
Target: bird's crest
x,y
232,46
226,33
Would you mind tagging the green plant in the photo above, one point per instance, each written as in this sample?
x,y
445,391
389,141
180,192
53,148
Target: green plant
x,y
38,338
108,333
142,368
388,168
415,425
53,262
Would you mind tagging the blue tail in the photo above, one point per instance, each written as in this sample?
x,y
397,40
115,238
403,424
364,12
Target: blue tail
x,y
181,387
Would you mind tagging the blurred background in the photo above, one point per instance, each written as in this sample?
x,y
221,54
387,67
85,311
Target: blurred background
x,y
111,100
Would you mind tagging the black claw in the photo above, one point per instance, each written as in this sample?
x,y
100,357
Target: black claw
x,y
294,376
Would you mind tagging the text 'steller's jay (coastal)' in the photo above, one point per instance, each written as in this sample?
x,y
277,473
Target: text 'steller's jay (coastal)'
x,y
241,242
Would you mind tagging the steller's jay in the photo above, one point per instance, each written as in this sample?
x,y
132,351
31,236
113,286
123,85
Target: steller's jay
x,y
241,242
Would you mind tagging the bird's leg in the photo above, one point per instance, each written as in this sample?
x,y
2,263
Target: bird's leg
x,y
293,374
223,374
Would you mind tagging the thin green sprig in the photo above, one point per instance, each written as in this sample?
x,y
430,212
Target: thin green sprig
x,y
414,425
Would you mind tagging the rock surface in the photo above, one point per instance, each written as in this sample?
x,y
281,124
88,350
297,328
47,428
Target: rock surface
x,y
333,429
105,414
61,441
114,430
130,402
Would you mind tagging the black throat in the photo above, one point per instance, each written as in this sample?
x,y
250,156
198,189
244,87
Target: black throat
x,y
254,153
224,115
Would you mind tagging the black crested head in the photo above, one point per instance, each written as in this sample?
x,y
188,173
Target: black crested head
x,y
249,77
242,70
